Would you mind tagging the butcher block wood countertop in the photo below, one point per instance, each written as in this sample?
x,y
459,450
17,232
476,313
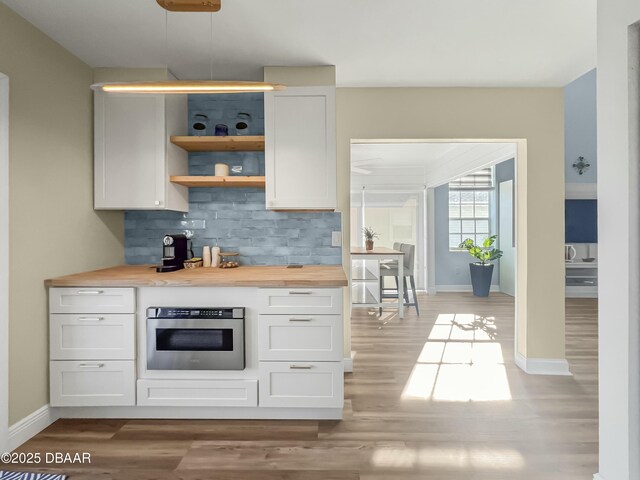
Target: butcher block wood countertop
x,y
243,276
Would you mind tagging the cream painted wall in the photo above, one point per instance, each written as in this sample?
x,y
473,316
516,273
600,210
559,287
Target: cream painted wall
x,y
618,229
535,115
53,227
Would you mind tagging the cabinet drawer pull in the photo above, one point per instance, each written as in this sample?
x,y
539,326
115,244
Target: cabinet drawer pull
x,y
300,292
91,365
90,319
300,367
307,319
90,292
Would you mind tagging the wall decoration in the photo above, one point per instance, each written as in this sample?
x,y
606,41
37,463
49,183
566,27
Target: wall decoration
x,y
581,165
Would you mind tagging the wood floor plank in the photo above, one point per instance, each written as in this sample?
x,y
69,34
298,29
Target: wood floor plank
x,y
432,397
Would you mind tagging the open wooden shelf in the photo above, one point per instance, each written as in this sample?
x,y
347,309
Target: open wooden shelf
x,y
253,143
220,182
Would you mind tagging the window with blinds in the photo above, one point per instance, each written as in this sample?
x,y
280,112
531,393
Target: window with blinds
x,y
469,211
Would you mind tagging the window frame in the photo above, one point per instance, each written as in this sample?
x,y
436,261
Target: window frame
x,y
490,189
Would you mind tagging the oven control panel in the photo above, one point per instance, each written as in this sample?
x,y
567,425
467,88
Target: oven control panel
x,y
195,312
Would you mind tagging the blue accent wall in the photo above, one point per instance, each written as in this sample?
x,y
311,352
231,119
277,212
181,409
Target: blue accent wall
x,y
580,127
235,219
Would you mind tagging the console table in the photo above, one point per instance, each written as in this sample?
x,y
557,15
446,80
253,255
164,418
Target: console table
x,y
581,279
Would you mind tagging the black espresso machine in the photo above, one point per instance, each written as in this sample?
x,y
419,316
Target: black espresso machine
x,y
176,249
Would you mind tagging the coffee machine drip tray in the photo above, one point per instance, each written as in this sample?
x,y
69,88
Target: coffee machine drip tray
x,y
168,268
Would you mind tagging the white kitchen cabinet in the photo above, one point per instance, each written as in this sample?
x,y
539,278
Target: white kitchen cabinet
x,y
82,336
300,346
91,300
198,393
295,301
133,155
300,149
301,384
92,383
92,347
300,337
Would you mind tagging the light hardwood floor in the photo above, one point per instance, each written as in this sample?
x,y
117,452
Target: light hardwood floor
x,y
431,397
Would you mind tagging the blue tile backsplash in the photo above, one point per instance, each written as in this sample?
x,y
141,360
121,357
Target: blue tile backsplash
x,y
234,218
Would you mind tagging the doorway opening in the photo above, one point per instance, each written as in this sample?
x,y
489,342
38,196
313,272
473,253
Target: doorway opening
x,y
400,188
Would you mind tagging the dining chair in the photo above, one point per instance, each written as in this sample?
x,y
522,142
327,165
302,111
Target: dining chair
x,y
392,271
386,264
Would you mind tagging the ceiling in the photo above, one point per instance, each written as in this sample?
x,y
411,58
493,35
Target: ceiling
x,y
402,166
371,42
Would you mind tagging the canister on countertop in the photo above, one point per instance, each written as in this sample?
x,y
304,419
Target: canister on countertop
x,y
215,256
206,256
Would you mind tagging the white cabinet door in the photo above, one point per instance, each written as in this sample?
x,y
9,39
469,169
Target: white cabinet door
x,y
301,384
300,337
198,393
300,149
92,300
131,153
92,337
92,383
300,301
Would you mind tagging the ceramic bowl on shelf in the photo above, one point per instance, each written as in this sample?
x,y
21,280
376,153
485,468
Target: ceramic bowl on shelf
x,y
589,259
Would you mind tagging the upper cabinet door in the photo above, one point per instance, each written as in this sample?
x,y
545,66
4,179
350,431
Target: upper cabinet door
x,y
300,149
132,156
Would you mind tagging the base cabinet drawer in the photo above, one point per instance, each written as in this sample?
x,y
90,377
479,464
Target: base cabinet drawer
x,y
92,337
310,337
301,384
92,300
92,383
275,301
198,393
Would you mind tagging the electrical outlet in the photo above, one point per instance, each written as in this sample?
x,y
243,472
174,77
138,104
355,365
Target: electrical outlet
x,y
336,239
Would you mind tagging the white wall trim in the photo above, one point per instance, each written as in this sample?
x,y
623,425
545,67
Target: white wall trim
x,y
597,476
462,288
199,413
348,365
581,191
30,426
543,366
4,262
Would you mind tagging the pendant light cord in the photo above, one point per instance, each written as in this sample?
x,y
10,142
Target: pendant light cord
x,y
211,47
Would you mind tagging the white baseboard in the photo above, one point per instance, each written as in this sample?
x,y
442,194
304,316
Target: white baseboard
x,y
227,413
462,288
30,426
543,366
348,363
597,476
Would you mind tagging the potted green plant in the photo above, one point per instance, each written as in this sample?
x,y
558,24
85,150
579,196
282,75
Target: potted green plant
x,y
482,271
369,236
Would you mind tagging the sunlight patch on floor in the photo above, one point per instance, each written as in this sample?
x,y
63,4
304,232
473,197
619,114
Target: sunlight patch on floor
x,y
460,457
460,362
